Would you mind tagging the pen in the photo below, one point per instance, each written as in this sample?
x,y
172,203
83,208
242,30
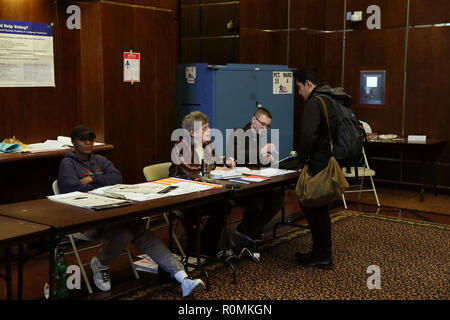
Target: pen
x,y
80,198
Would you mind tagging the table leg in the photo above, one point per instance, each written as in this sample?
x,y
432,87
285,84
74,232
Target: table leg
x,y
283,217
8,275
170,218
20,275
52,263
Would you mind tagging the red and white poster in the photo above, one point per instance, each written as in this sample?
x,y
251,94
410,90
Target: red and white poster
x,y
131,67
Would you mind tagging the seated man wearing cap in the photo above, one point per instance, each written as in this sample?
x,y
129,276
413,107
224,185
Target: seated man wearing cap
x,y
81,170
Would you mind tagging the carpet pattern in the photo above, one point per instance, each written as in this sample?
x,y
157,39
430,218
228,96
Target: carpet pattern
x,y
413,258
405,200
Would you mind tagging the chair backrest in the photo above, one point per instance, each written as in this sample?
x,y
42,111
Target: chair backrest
x,y
157,171
55,187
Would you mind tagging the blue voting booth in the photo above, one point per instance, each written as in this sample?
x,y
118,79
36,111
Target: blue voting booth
x,y
230,94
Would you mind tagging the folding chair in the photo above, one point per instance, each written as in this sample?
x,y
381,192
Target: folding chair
x,y
360,173
85,237
156,172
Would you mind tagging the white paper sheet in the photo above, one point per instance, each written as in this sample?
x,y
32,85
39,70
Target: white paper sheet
x,y
86,200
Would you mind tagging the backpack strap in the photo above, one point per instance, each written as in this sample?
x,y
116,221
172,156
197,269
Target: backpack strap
x,y
325,110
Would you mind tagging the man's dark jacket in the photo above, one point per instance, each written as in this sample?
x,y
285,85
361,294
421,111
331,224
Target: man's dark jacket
x,y
251,151
315,148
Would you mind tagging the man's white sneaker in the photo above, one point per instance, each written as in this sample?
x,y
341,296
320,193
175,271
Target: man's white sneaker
x,y
189,287
101,275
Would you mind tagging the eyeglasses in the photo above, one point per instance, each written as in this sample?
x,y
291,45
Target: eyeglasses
x,y
265,125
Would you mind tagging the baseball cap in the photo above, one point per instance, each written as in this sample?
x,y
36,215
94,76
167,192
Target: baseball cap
x,y
82,132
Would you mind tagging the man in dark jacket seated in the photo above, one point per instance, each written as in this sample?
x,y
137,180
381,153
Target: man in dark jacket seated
x,y
261,207
81,170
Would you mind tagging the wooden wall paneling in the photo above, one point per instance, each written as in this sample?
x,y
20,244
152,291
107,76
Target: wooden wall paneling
x,y
428,75
163,4
273,14
268,14
393,12
297,58
214,19
307,14
39,11
219,50
68,71
190,21
333,17
91,55
164,73
317,14
139,117
377,48
429,12
248,14
120,98
261,47
323,50
190,50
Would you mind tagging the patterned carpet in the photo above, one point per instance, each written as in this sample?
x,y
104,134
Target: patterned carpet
x,y
413,258
405,200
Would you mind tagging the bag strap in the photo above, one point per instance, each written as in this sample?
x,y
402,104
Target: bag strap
x,y
325,110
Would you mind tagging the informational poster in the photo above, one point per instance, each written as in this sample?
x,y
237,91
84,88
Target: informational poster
x,y
26,54
191,74
131,67
282,82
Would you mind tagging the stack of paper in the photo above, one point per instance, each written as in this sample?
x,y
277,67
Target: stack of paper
x,y
60,143
88,201
135,192
152,190
49,145
229,173
250,179
271,172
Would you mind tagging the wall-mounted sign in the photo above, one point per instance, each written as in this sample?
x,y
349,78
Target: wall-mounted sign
x,y
26,54
131,67
282,82
191,74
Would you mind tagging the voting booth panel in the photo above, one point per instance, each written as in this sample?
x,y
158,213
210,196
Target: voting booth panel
x,y
230,94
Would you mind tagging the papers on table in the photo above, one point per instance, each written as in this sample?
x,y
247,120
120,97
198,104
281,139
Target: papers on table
x,y
150,190
240,171
270,172
120,194
88,201
131,192
51,145
67,141
229,173
250,179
